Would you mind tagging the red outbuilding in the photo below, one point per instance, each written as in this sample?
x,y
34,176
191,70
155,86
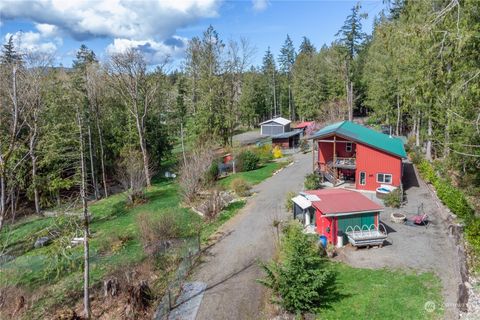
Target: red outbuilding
x,y
329,211
352,153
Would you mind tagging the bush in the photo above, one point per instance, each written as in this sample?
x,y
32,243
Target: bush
x,y
277,152
301,281
264,152
416,156
247,161
394,198
156,230
212,173
289,202
240,187
472,233
427,171
312,181
453,198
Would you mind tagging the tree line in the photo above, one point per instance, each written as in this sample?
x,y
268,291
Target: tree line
x,y
417,72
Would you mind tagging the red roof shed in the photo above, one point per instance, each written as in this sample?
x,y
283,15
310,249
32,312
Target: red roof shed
x,y
335,210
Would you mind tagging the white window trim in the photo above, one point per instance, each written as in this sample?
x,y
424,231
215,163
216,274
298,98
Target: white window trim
x,y
360,178
385,174
347,145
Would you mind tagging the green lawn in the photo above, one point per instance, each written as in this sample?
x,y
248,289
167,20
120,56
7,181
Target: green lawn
x,y
383,294
255,176
111,221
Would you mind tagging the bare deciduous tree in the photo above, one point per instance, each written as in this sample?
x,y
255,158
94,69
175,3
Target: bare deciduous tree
x,y
94,87
192,172
35,72
137,89
86,232
131,175
11,124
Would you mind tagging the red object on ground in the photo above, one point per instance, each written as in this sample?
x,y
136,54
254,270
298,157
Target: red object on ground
x,y
227,158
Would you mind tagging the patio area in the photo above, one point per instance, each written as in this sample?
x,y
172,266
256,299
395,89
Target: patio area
x,y
414,247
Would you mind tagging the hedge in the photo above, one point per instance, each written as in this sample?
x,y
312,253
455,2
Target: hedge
x,y
453,198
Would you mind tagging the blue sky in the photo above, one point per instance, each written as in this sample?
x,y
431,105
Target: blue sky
x,y
163,27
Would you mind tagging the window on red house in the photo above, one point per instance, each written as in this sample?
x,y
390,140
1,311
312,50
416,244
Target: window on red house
x,y
384,178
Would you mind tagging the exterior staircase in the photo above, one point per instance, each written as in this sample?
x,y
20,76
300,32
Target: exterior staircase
x,y
331,175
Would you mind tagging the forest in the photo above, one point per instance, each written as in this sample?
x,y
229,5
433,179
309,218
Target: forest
x,y
418,72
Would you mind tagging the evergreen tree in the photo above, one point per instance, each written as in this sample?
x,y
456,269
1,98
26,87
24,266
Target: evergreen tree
x,y
351,37
300,281
286,61
9,54
269,70
306,47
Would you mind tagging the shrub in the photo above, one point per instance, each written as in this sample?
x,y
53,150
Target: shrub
x,y
301,281
264,152
247,161
289,202
393,199
472,233
240,187
312,181
416,156
453,198
427,171
156,230
277,152
212,173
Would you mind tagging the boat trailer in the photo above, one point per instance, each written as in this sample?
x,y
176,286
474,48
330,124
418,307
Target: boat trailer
x,y
366,236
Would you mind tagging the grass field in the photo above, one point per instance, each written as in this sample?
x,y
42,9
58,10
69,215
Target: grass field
x,y
383,294
113,227
255,176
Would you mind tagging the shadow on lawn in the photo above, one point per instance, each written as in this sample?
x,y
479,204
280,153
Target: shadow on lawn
x,y
332,292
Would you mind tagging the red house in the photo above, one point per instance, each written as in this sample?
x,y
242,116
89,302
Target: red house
x,y
330,211
352,153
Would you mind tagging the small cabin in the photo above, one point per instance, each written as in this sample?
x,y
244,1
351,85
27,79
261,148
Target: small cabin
x,y
275,126
333,212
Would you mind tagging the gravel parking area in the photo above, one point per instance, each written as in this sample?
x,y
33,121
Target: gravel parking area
x,y
415,247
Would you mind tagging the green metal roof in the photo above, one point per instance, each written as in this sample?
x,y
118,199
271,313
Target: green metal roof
x,y
364,135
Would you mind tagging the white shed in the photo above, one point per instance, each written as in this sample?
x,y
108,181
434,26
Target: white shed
x,y
275,126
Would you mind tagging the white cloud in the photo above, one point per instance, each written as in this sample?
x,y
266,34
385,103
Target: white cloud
x,y
129,19
155,52
149,25
31,41
260,5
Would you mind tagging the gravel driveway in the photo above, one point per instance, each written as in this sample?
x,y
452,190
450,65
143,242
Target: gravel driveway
x,y
417,248
230,267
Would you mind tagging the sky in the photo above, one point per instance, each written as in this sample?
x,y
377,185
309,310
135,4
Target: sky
x,y
161,28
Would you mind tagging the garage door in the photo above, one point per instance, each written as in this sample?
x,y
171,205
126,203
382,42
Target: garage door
x,y
360,220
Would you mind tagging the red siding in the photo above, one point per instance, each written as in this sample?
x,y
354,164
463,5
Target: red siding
x,y
323,223
368,159
373,161
282,143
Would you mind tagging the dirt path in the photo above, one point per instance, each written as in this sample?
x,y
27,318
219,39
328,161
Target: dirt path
x,y
230,268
